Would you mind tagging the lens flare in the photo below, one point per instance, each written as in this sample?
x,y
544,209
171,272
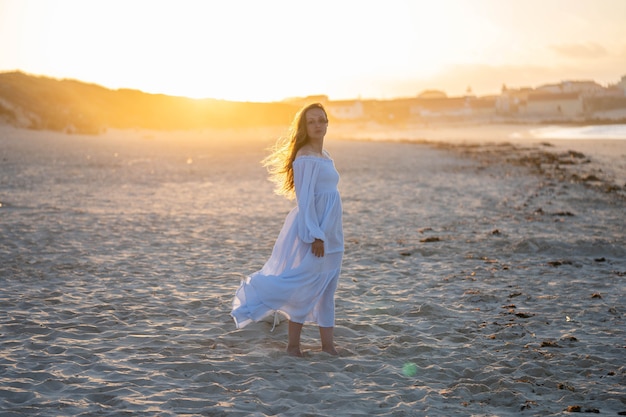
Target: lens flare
x,y
409,369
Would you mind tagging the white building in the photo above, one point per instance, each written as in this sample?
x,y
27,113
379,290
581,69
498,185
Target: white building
x,y
622,85
345,110
550,105
511,100
587,88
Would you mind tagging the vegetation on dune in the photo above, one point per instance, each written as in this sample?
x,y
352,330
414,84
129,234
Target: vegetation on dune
x,y
73,106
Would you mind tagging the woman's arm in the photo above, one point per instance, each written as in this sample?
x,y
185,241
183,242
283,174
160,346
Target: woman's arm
x,y
305,173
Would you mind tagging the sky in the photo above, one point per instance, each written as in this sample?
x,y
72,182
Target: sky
x,y
270,50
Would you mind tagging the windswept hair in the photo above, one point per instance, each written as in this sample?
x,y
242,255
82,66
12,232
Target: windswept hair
x,y
279,163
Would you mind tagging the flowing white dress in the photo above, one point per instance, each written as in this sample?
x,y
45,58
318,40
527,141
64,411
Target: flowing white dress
x,y
293,281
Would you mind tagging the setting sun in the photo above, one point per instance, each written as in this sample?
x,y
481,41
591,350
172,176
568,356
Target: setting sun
x,y
266,51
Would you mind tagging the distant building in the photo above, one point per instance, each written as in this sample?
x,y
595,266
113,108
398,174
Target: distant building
x,y
345,109
611,105
622,85
551,105
565,100
453,107
483,108
432,94
510,101
586,88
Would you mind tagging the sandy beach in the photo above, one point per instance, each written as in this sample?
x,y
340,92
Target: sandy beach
x,y
479,278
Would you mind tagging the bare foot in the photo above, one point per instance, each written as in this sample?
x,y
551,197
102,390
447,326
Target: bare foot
x,y
331,351
294,352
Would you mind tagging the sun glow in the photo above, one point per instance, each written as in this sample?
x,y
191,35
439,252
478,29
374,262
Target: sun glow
x,y
266,51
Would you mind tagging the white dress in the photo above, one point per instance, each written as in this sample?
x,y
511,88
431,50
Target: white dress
x,y
293,281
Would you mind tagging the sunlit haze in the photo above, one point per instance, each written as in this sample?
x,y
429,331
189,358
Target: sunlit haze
x,y
271,50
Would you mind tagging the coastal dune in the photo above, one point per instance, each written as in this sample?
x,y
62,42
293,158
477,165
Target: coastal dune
x,y
472,283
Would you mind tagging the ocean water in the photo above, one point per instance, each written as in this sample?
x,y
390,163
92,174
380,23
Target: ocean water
x,y
617,132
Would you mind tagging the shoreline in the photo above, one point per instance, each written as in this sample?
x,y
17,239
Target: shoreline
x,y
598,163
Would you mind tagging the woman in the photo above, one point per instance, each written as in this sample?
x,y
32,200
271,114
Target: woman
x,y
300,278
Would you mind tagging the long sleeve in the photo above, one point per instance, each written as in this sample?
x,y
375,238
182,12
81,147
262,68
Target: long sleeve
x,y
305,173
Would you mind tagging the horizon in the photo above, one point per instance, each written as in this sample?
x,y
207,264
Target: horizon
x,y
287,99
259,52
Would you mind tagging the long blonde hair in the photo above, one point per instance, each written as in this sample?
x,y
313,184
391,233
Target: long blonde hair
x,y
279,163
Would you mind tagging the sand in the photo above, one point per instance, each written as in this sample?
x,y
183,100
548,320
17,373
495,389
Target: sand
x,y
470,285
603,147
